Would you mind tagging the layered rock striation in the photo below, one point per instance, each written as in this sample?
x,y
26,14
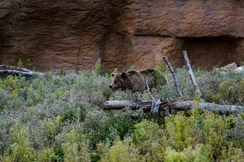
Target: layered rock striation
x,y
72,35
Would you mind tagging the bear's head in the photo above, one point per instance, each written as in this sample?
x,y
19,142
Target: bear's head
x,y
118,81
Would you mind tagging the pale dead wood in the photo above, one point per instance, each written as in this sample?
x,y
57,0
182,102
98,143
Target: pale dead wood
x,y
134,105
174,76
14,70
188,65
148,90
155,102
178,105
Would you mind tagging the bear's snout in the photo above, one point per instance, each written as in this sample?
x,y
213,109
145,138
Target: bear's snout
x,y
111,87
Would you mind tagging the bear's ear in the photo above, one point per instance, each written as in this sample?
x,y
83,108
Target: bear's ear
x,y
123,74
112,74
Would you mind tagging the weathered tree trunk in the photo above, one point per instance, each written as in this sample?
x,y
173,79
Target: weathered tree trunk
x,y
14,70
134,105
178,105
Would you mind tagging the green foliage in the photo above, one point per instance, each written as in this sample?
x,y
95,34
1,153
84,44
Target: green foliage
x,y
160,71
104,126
196,136
62,73
145,129
197,98
20,64
115,71
20,149
98,66
200,153
46,154
74,148
59,92
60,118
98,69
132,67
161,67
58,154
150,139
230,90
25,64
122,151
161,79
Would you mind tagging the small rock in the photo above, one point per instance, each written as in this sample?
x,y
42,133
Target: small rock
x,y
228,67
239,69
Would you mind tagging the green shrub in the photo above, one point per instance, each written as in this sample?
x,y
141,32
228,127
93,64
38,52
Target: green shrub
x,y
46,154
122,151
61,118
151,140
200,153
20,64
20,149
102,125
25,64
223,89
195,136
74,148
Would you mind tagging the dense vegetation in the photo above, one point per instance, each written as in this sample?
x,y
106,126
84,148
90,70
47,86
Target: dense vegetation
x,y
60,118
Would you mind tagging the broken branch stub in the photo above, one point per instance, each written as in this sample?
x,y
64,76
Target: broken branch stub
x,y
155,103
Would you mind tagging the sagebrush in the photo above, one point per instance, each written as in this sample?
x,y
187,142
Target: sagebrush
x,y
60,118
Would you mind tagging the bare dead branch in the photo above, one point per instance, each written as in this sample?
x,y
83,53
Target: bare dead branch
x,y
148,90
174,76
155,103
188,65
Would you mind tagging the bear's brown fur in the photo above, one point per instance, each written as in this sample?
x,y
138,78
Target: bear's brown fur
x,y
134,80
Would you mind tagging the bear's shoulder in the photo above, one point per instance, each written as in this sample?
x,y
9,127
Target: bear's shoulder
x,y
147,71
132,72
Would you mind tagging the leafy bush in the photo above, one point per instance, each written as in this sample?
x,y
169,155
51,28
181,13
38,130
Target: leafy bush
x,y
200,153
103,125
60,118
122,151
195,136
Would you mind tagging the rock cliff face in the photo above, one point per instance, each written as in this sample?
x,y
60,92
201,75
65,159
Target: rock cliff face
x,y
72,35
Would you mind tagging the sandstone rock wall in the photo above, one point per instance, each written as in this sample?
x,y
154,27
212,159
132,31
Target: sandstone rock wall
x,y
72,35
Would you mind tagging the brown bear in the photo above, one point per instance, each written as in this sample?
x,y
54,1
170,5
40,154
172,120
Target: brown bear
x,y
135,80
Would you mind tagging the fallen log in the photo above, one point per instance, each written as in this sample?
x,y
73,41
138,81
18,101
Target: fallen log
x,y
14,70
178,105
133,104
